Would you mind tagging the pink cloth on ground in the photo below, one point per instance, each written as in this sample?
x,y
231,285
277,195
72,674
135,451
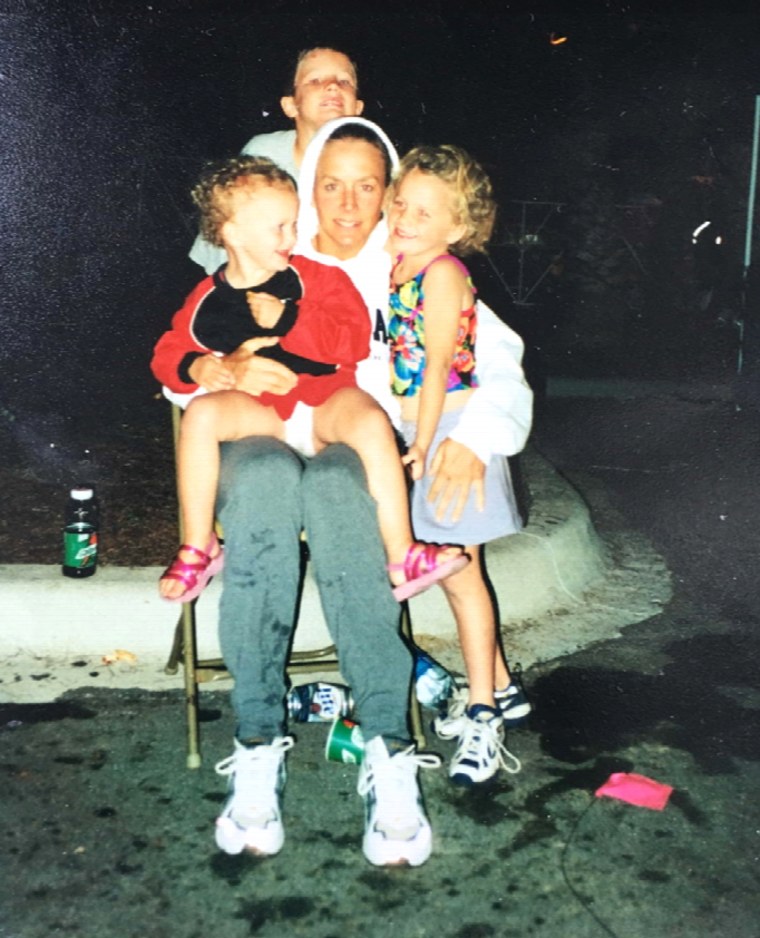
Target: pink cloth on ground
x,y
636,789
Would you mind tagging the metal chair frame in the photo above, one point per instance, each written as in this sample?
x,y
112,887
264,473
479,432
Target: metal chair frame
x,y
200,670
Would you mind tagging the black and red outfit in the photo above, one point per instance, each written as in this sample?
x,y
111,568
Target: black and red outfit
x,y
324,330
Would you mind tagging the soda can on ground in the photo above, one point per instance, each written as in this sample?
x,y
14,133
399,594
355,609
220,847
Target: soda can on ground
x,y
345,742
319,702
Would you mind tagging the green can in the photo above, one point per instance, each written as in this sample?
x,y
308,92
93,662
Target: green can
x,y
80,550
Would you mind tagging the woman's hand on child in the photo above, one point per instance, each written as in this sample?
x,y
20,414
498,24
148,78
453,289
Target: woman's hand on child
x,y
255,374
456,471
211,373
414,460
265,308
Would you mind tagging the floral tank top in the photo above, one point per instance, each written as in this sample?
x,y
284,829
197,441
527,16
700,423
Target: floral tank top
x,y
406,332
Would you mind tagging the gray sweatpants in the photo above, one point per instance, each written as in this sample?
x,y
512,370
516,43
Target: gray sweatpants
x,y
267,494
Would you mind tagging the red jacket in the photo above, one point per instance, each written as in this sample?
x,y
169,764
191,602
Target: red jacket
x,y
332,326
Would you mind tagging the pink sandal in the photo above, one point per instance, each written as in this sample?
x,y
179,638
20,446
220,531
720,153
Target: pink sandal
x,y
195,576
422,568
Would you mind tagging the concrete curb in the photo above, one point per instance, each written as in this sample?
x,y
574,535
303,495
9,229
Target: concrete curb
x,y
49,619
46,613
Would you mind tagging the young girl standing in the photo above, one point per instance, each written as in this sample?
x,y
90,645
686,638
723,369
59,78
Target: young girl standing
x,y
441,202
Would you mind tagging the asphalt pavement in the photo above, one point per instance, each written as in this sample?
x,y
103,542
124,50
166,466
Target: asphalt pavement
x,y
104,833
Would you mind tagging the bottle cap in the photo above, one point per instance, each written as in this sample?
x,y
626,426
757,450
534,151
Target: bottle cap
x,y
81,493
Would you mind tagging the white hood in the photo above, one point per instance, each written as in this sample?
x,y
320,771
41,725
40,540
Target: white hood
x,y
307,214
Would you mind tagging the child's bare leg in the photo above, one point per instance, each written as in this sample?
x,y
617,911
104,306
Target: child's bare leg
x,y
352,417
208,421
473,609
501,676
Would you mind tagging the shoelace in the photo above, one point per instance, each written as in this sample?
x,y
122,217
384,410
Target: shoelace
x,y
393,777
457,703
255,771
469,746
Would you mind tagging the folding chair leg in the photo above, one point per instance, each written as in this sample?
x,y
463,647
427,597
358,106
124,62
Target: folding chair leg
x,y
418,732
191,685
415,713
172,662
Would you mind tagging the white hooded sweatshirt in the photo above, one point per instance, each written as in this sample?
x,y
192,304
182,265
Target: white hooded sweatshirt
x,y
497,417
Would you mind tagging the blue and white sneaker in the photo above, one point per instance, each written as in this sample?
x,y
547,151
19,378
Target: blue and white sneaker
x,y
396,829
512,703
251,818
480,752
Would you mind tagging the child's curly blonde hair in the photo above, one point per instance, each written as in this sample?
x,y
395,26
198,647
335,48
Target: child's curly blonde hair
x,y
470,188
221,181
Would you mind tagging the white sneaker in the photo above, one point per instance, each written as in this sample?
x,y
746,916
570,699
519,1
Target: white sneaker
x,y
449,725
396,829
481,752
512,702
251,819
514,705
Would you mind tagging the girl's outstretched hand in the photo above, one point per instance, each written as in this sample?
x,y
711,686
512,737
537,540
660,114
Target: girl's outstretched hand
x,y
415,461
456,472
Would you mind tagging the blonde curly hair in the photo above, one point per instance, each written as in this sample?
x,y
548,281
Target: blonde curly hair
x,y
471,189
222,180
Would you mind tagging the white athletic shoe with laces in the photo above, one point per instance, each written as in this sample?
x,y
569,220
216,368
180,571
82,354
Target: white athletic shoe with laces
x,y
481,752
396,829
251,818
512,702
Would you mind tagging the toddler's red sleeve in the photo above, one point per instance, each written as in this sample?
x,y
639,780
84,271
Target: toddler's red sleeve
x,y
333,323
177,343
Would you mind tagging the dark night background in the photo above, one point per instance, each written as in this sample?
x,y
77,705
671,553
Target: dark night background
x,y
639,126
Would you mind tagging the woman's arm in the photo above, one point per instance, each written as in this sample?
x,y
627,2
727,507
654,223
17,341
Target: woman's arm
x,y
497,418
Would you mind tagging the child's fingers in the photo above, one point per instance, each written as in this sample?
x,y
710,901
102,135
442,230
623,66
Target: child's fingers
x,y
265,308
250,347
414,461
210,373
480,494
219,378
454,498
416,470
455,471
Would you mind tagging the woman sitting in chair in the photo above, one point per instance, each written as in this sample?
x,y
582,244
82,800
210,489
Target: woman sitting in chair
x,y
268,494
